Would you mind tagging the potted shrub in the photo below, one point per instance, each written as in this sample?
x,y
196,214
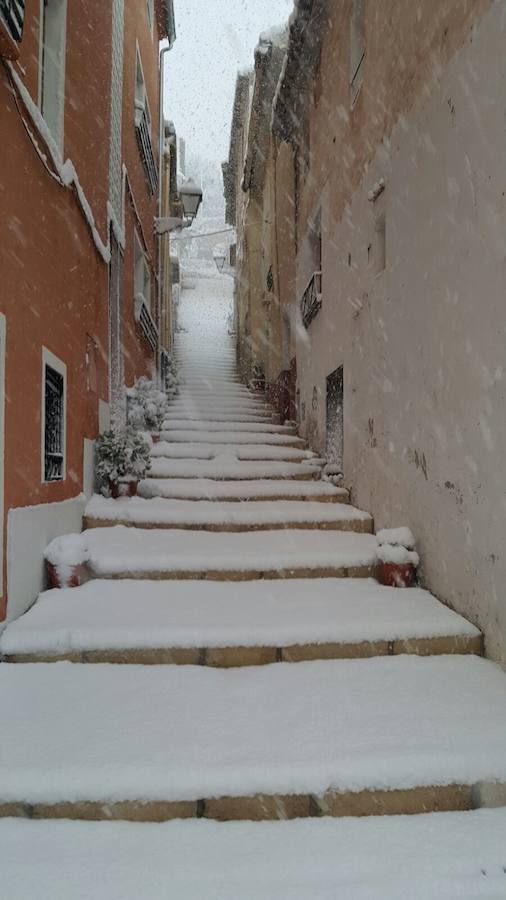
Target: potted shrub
x,y
66,559
398,559
122,460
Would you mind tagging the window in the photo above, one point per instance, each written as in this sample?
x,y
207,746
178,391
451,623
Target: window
x,y
150,5
142,277
141,99
53,419
357,48
52,65
13,14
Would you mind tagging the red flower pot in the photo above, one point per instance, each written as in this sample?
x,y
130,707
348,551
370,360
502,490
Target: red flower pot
x,y
123,488
64,576
400,575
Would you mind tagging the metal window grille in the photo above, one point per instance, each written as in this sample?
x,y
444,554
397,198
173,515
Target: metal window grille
x,y
13,13
54,425
311,300
146,149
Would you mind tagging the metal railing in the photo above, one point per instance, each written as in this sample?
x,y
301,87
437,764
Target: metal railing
x,y
145,148
13,13
145,321
311,300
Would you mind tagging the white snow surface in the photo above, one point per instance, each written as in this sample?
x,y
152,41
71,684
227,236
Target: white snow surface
x,y
397,537
228,466
389,553
217,415
230,425
110,733
207,489
124,550
190,512
131,614
222,437
67,550
438,856
240,451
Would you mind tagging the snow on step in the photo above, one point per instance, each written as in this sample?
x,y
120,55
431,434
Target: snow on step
x,y
213,415
173,450
191,614
197,425
230,467
389,723
233,437
226,515
445,856
133,551
207,489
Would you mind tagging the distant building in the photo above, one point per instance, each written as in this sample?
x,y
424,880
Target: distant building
x,y
82,291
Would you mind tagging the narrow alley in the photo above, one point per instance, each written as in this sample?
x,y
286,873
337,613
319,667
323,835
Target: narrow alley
x,y
252,444
266,676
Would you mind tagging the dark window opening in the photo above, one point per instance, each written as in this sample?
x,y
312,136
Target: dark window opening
x,y
54,425
335,420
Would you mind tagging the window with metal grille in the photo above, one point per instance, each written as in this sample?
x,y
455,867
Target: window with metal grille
x,y
54,425
13,13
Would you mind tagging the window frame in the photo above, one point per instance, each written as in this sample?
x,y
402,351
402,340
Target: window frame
x,y
145,99
150,11
140,257
59,133
49,360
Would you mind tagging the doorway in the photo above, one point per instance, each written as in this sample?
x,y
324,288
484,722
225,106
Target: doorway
x,y
335,420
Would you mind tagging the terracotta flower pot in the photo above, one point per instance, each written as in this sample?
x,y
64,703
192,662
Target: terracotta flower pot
x,y
64,576
123,488
400,575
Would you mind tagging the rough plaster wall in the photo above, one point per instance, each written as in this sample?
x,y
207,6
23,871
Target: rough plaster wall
x,y
424,344
29,531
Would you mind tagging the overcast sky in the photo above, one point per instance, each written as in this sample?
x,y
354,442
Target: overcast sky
x,y
214,39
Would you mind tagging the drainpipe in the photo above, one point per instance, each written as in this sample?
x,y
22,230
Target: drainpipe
x,y
161,148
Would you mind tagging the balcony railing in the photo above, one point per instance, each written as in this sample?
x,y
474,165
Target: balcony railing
x,y
145,148
145,322
311,301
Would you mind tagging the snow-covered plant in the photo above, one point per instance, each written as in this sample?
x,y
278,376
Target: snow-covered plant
x,y
171,377
122,455
147,405
397,545
67,550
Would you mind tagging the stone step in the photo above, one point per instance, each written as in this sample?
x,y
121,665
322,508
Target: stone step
x,y
444,856
253,427
232,437
237,491
220,624
209,515
388,735
121,552
256,452
226,416
232,469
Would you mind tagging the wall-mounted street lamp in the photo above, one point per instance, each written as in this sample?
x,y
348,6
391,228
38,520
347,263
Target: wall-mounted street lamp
x,y
190,197
220,257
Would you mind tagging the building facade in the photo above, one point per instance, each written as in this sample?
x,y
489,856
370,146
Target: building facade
x,y
80,292
394,115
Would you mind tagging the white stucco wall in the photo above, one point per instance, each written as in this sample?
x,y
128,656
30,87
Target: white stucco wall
x,y
424,343
29,531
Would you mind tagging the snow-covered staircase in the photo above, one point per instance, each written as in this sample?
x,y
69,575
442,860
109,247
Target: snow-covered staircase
x,y
266,674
